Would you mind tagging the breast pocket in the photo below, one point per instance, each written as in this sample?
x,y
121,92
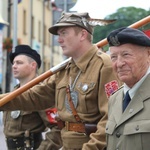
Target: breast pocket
x,y
138,132
24,113
110,127
61,95
137,127
109,130
87,97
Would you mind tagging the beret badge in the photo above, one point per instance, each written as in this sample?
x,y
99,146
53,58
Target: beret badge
x,y
114,41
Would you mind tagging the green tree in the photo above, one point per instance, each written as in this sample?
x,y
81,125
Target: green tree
x,y
124,16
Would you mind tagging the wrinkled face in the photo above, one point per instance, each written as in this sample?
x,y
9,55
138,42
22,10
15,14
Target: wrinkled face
x,y
69,41
130,62
22,66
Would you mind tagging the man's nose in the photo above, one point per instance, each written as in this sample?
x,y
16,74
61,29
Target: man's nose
x,y
120,62
60,40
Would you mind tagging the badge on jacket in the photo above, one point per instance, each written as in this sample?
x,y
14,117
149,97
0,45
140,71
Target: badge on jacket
x,y
51,114
15,114
74,98
111,87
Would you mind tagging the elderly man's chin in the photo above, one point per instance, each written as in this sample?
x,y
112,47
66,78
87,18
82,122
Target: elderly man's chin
x,y
124,78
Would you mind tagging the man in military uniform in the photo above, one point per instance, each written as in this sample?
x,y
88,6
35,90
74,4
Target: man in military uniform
x,y
23,129
80,91
128,126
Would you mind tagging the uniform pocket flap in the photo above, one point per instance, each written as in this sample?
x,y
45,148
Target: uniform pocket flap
x,y
110,127
22,113
142,126
85,87
61,85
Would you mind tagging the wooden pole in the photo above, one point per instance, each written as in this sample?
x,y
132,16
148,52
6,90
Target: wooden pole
x,y
136,25
58,67
33,82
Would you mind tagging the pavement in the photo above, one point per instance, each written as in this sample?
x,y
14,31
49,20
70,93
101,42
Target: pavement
x,y
2,139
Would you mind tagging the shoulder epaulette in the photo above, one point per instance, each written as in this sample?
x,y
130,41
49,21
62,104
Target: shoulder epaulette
x,y
105,57
118,89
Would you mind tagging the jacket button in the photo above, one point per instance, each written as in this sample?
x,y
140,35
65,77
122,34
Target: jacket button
x,y
118,135
137,128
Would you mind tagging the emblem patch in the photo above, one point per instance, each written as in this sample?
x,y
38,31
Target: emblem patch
x,y
111,87
85,87
51,114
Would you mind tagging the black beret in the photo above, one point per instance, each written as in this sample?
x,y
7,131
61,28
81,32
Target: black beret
x,y
26,50
128,35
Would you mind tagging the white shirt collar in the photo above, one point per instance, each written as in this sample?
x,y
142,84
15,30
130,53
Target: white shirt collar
x,y
133,90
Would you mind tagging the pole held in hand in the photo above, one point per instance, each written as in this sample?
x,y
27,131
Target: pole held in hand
x,y
60,66
136,25
33,82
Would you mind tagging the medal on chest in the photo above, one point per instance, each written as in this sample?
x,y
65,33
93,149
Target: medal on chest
x,y
73,94
15,114
74,97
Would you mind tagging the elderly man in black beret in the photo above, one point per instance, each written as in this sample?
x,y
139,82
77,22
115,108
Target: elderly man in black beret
x,y
128,126
23,129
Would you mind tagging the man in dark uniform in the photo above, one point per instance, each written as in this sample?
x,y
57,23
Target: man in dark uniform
x,y
23,129
79,91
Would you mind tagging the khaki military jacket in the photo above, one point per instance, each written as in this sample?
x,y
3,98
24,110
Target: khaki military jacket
x,y
129,130
15,126
87,78
17,122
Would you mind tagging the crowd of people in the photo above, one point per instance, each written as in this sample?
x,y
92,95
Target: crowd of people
x,y
88,93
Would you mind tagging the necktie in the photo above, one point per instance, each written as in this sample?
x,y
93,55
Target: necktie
x,y
126,100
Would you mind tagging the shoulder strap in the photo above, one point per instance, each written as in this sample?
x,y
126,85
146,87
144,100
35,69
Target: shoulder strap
x,y
105,58
76,116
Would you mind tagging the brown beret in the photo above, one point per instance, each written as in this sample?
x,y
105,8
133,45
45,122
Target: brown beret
x,y
72,19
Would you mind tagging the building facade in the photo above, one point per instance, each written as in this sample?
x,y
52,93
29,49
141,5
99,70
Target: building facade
x,y
29,20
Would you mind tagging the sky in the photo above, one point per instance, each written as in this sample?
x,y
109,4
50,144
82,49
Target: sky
x,y
101,8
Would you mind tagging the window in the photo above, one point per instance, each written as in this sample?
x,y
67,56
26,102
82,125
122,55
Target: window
x,y
39,31
24,22
45,34
32,28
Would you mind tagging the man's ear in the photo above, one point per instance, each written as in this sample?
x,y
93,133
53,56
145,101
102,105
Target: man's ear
x,y
149,52
84,34
34,65
149,56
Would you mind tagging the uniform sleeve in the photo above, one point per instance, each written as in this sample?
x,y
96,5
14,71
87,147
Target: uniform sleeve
x,y
98,139
52,137
52,140
39,97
